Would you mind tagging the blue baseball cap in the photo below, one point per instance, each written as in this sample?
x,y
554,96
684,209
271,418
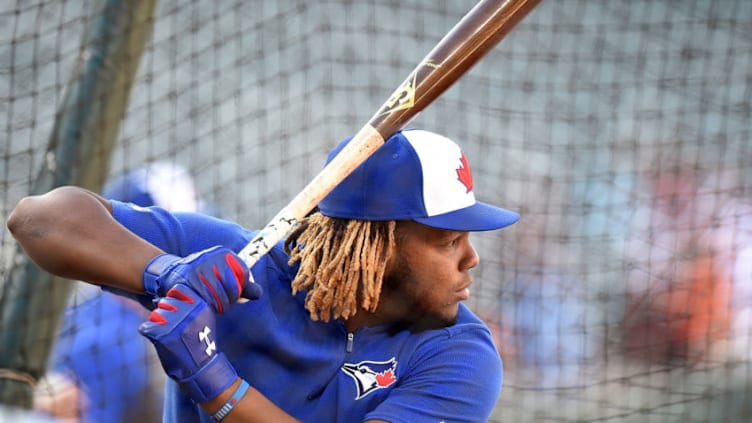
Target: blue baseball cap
x,y
416,175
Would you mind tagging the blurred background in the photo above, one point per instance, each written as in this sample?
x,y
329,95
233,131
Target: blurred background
x,y
619,130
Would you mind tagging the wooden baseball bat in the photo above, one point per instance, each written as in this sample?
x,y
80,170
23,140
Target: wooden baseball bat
x,y
469,40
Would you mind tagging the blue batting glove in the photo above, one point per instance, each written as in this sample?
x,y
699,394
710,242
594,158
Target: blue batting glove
x,y
217,274
182,329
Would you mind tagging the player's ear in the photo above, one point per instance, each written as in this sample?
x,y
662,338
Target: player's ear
x,y
394,252
401,229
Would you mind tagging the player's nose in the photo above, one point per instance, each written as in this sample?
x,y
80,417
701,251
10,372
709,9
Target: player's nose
x,y
470,257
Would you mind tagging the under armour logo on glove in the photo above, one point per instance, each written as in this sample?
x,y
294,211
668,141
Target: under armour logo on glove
x,y
203,336
182,329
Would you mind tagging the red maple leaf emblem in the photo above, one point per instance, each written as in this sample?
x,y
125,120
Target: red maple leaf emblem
x,y
464,174
385,379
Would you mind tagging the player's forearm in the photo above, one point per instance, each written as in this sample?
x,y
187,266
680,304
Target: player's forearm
x,y
71,233
252,408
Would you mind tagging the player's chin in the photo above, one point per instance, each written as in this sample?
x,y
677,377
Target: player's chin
x,y
448,315
449,320
438,318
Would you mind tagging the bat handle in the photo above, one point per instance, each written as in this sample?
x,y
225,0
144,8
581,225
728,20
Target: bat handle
x,y
363,144
281,225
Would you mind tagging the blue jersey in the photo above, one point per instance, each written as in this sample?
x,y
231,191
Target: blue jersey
x,y
97,339
317,371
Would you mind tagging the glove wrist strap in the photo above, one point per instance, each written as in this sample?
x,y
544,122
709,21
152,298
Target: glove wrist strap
x,y
210,380
153,269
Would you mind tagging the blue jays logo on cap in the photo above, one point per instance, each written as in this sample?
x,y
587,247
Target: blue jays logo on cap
x,y
416,175
371,375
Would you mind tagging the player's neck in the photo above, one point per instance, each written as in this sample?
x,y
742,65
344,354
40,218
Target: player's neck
x,y
392,313
364,318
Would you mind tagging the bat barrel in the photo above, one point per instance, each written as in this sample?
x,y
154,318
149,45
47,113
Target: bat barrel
x,y
469,40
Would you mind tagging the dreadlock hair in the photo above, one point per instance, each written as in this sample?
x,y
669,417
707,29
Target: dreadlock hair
x,y
342,263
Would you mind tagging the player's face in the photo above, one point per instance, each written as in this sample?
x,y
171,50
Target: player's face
x,y
430,273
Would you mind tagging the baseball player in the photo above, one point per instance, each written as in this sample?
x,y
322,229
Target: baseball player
x,y
356,317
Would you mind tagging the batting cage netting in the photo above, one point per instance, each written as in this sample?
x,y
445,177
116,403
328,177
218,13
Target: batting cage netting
x,y
620,130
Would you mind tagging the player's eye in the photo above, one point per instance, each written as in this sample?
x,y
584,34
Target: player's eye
x,y
452,242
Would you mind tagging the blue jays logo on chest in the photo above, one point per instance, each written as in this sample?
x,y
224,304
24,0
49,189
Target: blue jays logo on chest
x,y
370,376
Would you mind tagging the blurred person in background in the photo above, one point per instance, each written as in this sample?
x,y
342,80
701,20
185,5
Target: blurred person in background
x,y
679,281
100,370
550,330
731,244
543,307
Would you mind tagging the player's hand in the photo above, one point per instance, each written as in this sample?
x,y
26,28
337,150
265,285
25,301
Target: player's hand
x,y
217,274
182,329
